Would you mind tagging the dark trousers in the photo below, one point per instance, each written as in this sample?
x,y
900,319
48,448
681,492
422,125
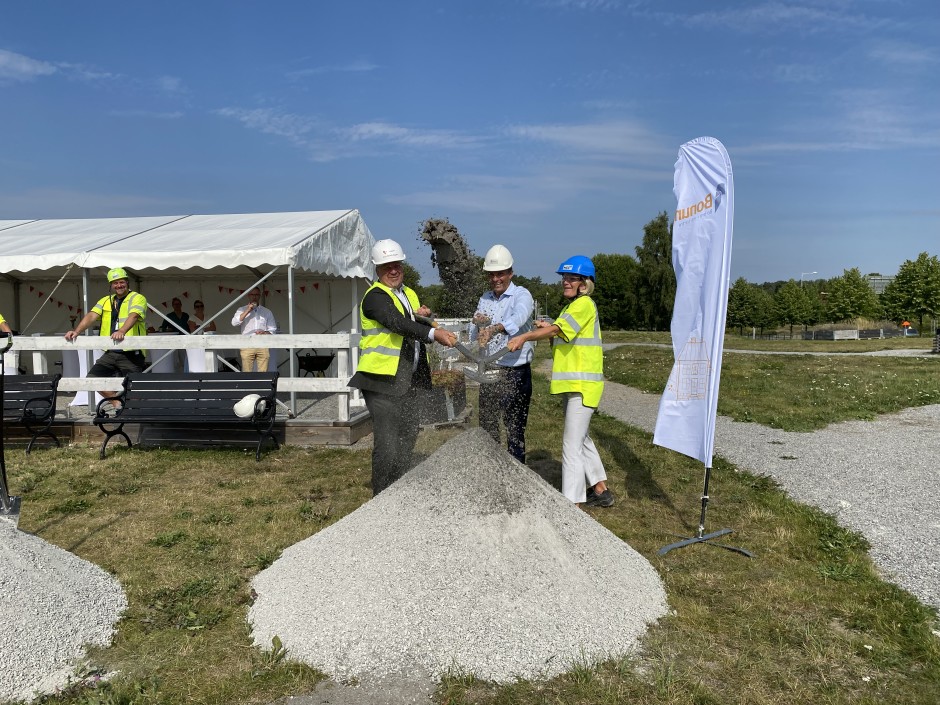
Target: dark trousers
x,y
508,399
394,432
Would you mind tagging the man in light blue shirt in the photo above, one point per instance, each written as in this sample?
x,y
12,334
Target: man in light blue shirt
x,y
504,311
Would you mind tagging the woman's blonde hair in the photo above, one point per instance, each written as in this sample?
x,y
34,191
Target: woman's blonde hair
x,y
588,287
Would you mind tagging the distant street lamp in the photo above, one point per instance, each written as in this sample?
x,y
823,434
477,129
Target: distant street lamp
x,y
801,277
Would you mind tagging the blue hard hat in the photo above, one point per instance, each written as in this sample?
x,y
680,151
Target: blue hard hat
x,y
579,264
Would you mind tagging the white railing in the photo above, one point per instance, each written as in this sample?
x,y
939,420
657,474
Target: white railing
x,y
344,345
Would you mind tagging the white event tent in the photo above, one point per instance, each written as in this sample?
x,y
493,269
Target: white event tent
x,y
312,267
212,257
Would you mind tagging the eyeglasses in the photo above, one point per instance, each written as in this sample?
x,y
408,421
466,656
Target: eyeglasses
x,y
571,278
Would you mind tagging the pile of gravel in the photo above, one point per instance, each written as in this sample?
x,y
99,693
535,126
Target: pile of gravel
x,y
470,563
52,603
879,477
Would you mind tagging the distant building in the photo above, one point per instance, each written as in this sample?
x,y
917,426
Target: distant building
x,y
878,282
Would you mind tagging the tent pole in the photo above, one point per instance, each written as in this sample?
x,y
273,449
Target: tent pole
x,y
88,356
290,329
354,328
17,303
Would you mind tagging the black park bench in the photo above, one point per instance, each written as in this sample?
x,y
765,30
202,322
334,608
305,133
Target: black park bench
x,y
29,400
192,400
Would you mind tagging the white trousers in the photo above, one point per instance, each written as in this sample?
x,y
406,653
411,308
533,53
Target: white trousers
x,y
581,465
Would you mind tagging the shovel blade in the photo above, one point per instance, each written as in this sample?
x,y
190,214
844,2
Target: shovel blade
x,y
11,512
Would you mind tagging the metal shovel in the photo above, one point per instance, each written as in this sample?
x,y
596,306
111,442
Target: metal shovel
x,y
9,506
481,374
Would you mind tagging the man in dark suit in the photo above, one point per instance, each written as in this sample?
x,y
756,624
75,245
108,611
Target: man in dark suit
x,y
393,363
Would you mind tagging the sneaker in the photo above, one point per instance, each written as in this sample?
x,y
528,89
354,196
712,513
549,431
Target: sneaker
x,y
604,499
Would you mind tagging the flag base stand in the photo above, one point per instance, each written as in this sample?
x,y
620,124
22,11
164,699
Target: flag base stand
x,y
700,535
702,538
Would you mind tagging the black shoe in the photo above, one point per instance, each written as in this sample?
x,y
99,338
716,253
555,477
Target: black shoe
x,y
604,499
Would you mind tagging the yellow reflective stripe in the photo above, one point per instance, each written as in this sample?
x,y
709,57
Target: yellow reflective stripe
x,y
377,331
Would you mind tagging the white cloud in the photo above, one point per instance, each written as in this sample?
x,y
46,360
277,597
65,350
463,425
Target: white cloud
x,y
396,134
80,72
799,73
898,54
540,190
359,66
606,140
69,203
170,84
271,122
175,115
324,143
16,67
806,17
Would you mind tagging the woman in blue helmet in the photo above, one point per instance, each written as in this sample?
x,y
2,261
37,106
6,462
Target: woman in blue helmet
x,y
578,376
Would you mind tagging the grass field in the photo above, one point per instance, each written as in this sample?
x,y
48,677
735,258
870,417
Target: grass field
x,y
807,621
795,392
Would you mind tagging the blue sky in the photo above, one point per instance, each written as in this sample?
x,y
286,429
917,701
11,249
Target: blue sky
x,y
550,126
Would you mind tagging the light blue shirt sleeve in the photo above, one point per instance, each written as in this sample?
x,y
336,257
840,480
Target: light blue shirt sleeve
x,y
513,310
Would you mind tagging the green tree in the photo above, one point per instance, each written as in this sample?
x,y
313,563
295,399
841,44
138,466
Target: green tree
x,y
656,280
792,305
850,296
616,290
739,305
548,297
915,291
411,277
749,306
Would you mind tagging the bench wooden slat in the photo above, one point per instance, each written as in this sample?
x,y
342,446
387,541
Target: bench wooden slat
x,y
30,400
188,399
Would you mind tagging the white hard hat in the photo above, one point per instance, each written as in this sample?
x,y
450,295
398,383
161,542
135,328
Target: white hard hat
x,y
497,259
245,406
385,251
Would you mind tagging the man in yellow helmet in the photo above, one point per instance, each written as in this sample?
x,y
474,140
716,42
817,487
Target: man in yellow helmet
x,y
121,313
393,363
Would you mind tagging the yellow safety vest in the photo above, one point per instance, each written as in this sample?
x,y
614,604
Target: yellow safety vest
x,y
132,303
380,348
578,364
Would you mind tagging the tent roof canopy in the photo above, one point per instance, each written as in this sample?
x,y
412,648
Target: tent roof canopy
x,y
332,243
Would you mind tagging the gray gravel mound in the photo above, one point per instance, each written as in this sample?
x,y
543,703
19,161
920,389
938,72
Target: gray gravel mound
x,y
880,478
470,563
52,604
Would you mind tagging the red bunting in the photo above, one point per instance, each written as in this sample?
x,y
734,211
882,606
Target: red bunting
x,y
316,285
303,289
